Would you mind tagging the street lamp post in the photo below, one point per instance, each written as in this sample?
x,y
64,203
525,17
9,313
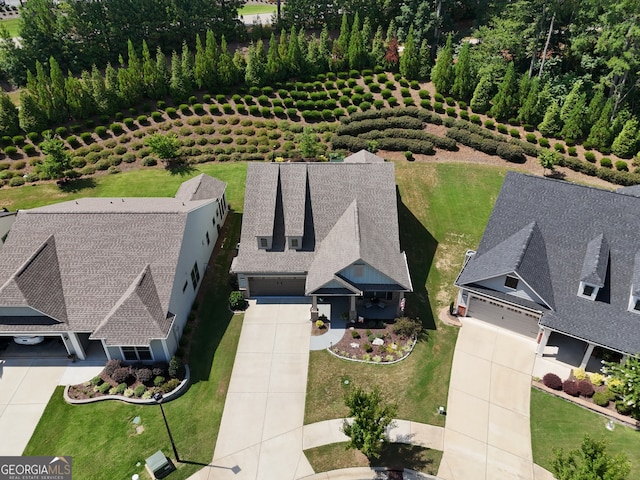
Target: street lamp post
x,y
158,398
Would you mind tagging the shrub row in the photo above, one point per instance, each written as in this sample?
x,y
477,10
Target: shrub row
x,y
425,116
613,176
439,142
354,144
362,126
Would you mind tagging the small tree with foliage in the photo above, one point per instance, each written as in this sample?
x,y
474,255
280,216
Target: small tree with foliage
x,y
625,382
551,124
482,95
237,301
443,74
371,418
308,143
547,159
626,143
591,461
57,160
164,146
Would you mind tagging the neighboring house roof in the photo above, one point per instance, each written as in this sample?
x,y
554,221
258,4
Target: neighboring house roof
x,y
556,234
363,156
202,187
102,265
344,212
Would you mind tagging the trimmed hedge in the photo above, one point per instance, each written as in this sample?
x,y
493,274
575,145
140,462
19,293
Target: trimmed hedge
x,y
552,381
570,387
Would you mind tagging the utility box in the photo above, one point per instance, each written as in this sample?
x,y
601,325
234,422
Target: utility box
x,y
159,466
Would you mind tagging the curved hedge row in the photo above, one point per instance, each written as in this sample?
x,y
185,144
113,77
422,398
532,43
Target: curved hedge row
x,y
362,126
490,146
424,115
354,144
439,142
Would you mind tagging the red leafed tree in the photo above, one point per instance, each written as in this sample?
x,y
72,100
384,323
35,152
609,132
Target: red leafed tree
x,y
392,57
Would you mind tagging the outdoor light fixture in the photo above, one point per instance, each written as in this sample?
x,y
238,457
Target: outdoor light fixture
x,y
442,411
158,397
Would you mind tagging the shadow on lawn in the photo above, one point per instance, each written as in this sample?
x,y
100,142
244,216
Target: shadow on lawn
x,y
77,185
420,248
213,298
401,455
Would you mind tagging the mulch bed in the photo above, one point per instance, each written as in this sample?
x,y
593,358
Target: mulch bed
x,y
358,338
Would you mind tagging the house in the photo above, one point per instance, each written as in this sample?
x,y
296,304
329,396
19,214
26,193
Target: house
x,y
323,230
561,258
117,275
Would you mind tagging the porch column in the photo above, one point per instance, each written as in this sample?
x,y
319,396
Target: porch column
x,y
587,355
398,311
353,314
73,341
314,308
542,342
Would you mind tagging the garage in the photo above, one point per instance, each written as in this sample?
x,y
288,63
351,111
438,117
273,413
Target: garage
x,y
503,316
276,286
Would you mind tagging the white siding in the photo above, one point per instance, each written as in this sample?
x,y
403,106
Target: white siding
x,y
523,291
157,351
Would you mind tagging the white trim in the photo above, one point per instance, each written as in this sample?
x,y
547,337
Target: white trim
x,y
594,293
148,347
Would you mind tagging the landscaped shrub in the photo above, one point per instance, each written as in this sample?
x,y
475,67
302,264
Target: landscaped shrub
x,y
531,138
451,112
514,132
622,166
408,155
139,390
104,388
29,149
33,136
572,152
502,128
159,380
438,97
355,334
437,106
19,165
149,162
511,153
553,381
144,375
558,147
570,387
585,388
490,124
601,399
176,367
10,150
407,327
119,390
623,408
367,347
590,157
121,374
544,143
101,130
237,301
462,104
605,162
16,181
408,102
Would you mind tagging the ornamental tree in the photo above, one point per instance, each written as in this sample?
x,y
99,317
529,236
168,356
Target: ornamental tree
x,y
164,146
57,160
371,418
625,382
591,462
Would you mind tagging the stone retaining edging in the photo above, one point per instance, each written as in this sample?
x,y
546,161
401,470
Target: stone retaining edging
x,y
179,390
415,341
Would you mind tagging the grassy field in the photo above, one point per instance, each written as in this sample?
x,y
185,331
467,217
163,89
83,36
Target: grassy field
x,y
256,9
136,183
101,437
12,25
443,211
556,423
336,456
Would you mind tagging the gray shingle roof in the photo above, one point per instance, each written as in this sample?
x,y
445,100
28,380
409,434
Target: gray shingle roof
x,y
363,156
201,187
569,217
98,248
596,259
339,197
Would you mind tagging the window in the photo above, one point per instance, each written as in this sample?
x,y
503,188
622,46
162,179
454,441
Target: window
x,y
587,291
136,353
636,306
208,241
263,242
511,282
294,243
184,287
195,275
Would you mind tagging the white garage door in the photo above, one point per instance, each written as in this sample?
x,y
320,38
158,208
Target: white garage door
x,y
503,316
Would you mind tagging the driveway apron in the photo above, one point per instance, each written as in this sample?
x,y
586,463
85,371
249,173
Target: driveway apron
x,y
261,430
487,434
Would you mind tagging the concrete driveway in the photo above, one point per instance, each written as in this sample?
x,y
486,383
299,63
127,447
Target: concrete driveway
x,y
487,434
261,430
26,385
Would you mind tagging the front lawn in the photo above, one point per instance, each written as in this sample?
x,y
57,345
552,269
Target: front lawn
x,y
256,9
556,423
101,437
12,25
443,210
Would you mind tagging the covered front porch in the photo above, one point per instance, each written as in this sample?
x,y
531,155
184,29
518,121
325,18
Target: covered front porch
x,y
341,309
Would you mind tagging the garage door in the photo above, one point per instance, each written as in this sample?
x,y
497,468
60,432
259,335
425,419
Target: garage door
x,y
276,286
503,316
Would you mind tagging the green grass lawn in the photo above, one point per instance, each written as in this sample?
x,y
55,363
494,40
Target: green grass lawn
x,y
101,437
156,182
556,423
443,211
256,9
12,25
336,456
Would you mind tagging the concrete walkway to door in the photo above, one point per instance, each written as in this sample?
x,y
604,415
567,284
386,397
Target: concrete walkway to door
x,y
487,434
261,430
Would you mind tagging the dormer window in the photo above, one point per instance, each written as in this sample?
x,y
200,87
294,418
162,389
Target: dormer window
x,y
294,243
636,306
511,282
263,242
588,291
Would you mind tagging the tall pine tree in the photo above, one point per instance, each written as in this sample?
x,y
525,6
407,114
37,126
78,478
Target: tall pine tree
x,y
443,74
409,61
506,100
465,78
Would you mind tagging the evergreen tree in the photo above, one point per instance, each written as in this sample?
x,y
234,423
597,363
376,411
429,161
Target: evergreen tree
x,y
626,143
42,90
313,61
573,128
226,68
465,78
111,90
135,75
571,98
366,35
162,76
200,64
59,112
239,64
505,101
356,53
57,161
378,49
274,68
595,107
148,71
255,73
9,121
482,95
212,54
302,45
600,135
551,124
409,61
341,45
98,91
186,68
176,86
324,49
528,112
79,99
443,74
294,55
31,116
544,100
425,61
